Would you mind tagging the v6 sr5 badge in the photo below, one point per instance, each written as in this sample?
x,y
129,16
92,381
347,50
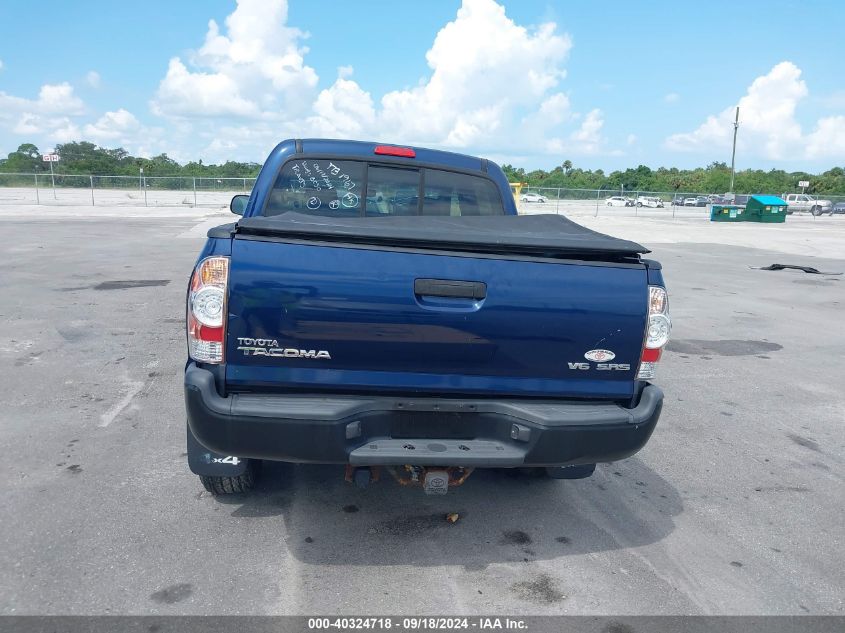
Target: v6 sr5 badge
x,y
601,358
601,366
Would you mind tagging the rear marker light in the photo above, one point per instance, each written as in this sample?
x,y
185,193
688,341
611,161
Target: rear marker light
x,y
657,333
207,310
390,150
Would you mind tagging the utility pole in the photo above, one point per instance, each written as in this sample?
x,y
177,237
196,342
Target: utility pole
x,y
52,177
733,152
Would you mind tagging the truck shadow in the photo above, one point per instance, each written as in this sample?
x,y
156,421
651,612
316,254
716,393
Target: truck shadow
x,y
503,515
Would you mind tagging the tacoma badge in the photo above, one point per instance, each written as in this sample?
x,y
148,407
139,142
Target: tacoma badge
x,y
270,347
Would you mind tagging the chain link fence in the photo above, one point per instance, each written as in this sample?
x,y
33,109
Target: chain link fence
x,y
117,191
605,201
188,191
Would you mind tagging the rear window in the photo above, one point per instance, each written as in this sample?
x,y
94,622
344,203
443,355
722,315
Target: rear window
x,y
318,187
336,188
450,193
392,191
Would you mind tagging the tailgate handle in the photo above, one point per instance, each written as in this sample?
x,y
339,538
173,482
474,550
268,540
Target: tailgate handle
x,y
450,288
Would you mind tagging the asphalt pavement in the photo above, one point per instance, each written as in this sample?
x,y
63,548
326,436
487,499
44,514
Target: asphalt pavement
x,y
734,507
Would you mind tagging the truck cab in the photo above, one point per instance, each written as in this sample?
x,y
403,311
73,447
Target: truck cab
x,y
805,202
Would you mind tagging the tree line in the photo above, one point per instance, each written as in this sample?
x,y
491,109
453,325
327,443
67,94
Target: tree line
x,y
87,158
715,178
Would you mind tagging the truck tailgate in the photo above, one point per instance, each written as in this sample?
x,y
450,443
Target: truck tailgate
x,y
309,317
385,322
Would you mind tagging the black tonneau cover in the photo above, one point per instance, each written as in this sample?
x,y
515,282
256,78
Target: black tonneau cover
x,y
545,235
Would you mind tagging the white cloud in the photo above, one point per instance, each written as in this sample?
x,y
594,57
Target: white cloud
x,y
28,123
828,139
1,64
256,69
672,97
493,85
486,71
92,78
768,124
56,116
47,113
632,138
343,110
590,129
59,98
65,133
555,109
587,139
197,94
119,125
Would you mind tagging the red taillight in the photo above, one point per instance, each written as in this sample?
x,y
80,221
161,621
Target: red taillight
x,y
651,355
206,318
390,150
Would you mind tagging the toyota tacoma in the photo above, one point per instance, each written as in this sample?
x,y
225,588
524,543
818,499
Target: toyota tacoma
x,y
386,309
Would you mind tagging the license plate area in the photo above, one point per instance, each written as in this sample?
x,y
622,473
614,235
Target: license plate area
x,y
447,426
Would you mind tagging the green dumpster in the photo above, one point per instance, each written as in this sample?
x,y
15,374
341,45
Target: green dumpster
x,y
765,209
726,213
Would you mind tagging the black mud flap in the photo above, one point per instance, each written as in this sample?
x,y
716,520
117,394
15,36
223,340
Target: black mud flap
x,y
203,461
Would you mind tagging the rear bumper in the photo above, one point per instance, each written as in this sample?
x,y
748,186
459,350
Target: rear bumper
x,y
426,431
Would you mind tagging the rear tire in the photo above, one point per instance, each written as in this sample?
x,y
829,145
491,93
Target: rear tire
x,y
581,471
815,211
230,485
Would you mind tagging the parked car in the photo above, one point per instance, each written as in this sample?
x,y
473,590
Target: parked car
x,y
804,202
618,201
678,201
322,330
649,201
691,202
838,207
532,197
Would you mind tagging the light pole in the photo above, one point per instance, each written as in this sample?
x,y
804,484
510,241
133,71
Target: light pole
x,y
140,178
733,152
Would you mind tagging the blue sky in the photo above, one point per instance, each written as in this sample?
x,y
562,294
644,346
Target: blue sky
x,y
530,83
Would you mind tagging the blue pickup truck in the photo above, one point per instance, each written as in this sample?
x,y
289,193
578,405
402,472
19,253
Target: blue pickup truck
x,y
386,308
